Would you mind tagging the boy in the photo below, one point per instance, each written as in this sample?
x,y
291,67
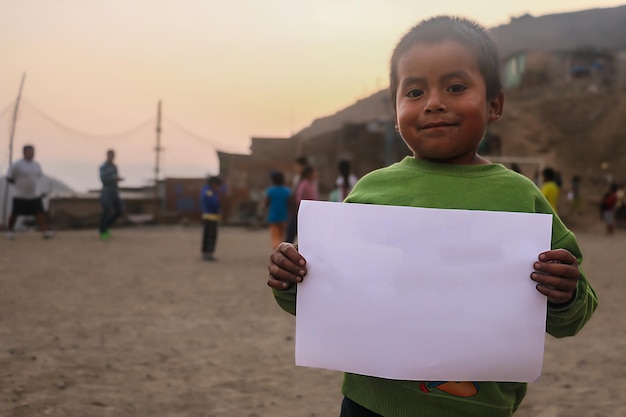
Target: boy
x,y
277,206
210,202
445,88
550,189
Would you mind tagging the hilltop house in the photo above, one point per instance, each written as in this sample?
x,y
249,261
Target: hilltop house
x,y
534,68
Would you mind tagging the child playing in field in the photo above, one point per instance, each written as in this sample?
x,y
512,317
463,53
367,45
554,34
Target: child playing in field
x,y
277,206
210,202
445,88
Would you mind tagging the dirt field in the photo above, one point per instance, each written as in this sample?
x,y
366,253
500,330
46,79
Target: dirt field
x,y
139,326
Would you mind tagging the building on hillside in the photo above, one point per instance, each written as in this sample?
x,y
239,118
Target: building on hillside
x,y
247,176
362,133
368,146
535,68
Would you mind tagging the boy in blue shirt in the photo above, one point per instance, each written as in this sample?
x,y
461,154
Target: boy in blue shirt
x,y
277,206
445,88
210,201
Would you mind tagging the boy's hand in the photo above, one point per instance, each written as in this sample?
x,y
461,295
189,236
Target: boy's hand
x,y
556,274
287,267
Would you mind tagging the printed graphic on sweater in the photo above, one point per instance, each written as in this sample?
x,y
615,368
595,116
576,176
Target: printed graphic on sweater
x,y
458,389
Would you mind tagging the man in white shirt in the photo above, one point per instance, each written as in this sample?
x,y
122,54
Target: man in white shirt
x,y
25,175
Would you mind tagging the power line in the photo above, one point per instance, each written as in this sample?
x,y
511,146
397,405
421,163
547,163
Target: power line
x,y
69,129
6,109
213,144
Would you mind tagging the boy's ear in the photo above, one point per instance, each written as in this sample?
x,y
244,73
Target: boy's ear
x,y
496,106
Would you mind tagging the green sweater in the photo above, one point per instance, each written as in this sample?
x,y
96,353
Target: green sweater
x,y
419,183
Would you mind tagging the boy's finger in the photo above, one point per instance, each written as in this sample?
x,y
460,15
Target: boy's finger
x,y
278,284
558,255
557,269
556,283
555,296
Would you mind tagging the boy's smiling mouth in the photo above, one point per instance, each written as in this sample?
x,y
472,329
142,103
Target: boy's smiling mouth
x,y
434,125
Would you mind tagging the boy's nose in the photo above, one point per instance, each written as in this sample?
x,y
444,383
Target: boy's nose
x,y
434,103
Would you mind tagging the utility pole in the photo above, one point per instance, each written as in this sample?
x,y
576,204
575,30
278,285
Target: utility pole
x,y
158,150
6,186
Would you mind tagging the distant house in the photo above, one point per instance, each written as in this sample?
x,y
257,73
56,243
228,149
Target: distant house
x,y
533,68
369,145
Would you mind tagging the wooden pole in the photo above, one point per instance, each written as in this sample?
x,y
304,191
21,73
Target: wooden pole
x,y
6,187
157,164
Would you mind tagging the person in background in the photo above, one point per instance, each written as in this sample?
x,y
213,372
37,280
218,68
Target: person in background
x,y
292,223
307,187
446,89
110,200
277,206
25,176
345,181
210,202
620,209
608,207
574,197
550,188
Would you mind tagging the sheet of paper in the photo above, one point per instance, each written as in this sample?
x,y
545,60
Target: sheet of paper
x,y
421,294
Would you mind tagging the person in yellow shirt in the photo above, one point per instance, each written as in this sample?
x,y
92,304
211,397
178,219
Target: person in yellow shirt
x,y
550,188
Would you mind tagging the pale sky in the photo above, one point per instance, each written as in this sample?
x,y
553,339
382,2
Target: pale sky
x,y
224,70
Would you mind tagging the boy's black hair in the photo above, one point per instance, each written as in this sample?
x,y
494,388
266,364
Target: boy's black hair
x,y
548,174
446,28
344,170
28,148
302,160
277,178
307,171
214,181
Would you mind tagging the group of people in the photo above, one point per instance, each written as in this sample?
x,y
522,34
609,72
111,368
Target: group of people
x,y
282,202
25,176
612,206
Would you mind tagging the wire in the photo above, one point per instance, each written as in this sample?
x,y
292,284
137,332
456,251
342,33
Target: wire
x,y
197,137
6,109
63,126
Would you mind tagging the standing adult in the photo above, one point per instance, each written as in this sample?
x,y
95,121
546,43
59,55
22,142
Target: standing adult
x,y
25,176
112,207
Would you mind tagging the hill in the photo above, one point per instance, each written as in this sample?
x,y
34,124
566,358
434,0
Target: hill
x,y
602,29
577,134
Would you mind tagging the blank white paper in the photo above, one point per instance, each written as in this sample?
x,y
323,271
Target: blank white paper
x,y
421,294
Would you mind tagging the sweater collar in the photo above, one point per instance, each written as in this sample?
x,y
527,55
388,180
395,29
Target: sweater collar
x,y
451,169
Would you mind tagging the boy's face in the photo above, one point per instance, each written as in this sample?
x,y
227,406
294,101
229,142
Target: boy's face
x,y
442,110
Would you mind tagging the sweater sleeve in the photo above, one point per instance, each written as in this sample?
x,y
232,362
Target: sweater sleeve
x,y
286,299
567,320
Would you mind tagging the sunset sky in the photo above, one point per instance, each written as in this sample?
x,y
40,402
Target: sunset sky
x,y
224,70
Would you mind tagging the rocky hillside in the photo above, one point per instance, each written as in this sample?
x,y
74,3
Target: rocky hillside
x,y
582,133
603,29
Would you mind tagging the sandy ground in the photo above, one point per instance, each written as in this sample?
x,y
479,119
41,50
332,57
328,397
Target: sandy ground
x,y
139,326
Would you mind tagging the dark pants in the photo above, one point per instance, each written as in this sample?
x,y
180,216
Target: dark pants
x,y
351,409
209,236
112,209
292,228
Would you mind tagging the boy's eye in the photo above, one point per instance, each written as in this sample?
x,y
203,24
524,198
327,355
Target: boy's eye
x,y
456,88
414,93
